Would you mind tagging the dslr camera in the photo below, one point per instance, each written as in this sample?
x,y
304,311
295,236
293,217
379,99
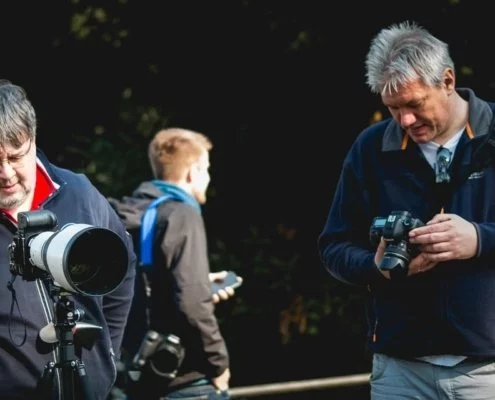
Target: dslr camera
x,y
395,231
162,353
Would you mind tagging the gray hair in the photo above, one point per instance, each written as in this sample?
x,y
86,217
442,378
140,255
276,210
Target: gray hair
x,y
403,53
17,115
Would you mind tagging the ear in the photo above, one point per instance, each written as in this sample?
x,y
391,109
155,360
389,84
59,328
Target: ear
x,y
449,80
190,174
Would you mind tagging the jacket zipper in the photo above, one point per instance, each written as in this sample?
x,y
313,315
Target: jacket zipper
x,y
374,331
373,335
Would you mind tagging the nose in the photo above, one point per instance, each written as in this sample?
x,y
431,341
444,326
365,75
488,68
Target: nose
x,y
6,170
407,118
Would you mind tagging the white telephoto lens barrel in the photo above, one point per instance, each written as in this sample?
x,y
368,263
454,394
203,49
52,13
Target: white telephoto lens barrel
x,y
74,258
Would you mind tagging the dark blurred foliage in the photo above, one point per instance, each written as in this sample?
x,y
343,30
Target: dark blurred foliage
x,y
279,87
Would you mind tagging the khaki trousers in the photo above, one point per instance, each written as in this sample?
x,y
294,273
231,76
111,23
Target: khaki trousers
x,y
398,379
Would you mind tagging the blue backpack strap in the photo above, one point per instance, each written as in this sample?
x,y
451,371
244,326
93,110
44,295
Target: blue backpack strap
x,y
148,227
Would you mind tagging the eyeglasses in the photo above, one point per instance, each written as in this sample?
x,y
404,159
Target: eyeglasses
x,y
16,160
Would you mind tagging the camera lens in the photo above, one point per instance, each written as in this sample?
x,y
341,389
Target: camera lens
x,y
168,357
82,272
165,361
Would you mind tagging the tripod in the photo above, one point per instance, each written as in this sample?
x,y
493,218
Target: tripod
x,y
74,381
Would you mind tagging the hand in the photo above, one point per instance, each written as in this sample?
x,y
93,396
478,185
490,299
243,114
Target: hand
x,y
222,294
380,250
445,237
222,382
418,264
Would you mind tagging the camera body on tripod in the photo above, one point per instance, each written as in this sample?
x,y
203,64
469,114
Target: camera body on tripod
x,y
162,353
29,226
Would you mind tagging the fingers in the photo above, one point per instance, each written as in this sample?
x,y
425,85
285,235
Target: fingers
x,y
223,294
440,218
420,263
217,276
440,228
379,252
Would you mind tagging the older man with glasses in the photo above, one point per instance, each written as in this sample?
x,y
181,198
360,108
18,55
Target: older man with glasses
x,y
29,182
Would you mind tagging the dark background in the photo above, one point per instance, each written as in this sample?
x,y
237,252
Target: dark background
x,y
280,89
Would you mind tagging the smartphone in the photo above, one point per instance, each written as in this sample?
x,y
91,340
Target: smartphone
x,y
230,280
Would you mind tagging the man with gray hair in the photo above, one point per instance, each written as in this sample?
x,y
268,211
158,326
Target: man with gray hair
x,y
413,221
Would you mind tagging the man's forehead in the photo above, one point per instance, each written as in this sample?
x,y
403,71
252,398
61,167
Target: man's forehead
x,y
14,146
404,94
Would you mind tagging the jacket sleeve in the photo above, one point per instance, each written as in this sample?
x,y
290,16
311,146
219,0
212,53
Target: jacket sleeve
x,y
486,239
116,304
343,244
187,256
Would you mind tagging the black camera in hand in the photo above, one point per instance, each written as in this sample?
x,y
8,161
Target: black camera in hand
x,y
162,353
395,231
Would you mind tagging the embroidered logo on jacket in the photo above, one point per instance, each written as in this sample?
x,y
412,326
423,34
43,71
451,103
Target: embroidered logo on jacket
x,y
477,175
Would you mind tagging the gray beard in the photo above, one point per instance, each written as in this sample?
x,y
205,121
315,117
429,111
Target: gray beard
x,y
14,201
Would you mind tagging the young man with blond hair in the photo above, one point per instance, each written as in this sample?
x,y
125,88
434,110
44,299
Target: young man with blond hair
x,y
180,279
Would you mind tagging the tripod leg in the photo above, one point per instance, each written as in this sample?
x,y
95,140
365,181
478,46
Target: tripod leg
x,y
68,390
83,380
44,388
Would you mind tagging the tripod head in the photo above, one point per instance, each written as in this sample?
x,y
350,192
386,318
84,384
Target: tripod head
x,y
68,317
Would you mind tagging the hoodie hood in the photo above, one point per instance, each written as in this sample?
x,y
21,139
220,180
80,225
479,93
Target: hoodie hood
x,y
131,208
